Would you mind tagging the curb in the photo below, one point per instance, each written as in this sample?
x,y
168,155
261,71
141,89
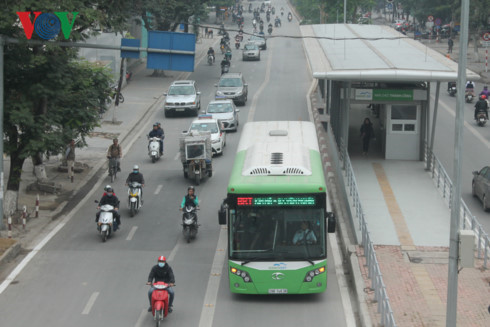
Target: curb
x,y
10,253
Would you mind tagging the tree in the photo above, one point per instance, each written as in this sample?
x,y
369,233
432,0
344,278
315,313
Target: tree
x,y
50,96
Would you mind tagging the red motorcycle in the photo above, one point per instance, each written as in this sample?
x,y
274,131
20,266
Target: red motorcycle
x,y
159,302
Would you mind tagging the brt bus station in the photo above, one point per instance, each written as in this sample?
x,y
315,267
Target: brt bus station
x,y
372,71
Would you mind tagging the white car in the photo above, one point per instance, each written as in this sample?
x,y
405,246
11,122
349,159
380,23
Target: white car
x,y
225,112
205,123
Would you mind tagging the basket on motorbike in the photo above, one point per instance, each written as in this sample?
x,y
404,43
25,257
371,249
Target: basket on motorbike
x,y
196,155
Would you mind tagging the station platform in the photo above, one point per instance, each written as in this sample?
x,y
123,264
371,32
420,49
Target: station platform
x,y
409,223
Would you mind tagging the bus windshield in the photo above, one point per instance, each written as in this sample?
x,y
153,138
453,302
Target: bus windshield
x,y
279,233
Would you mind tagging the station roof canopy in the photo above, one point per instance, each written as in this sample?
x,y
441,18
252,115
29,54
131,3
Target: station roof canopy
x,y
351,52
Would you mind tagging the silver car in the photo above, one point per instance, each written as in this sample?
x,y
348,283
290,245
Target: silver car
x,y
259,40
225,112
182,97
232,86
251,51
481,186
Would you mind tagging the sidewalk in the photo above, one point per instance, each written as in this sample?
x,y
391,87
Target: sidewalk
x,y
409,223
143,95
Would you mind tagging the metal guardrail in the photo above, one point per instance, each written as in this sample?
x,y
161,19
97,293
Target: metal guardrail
x,y
374,272
468,221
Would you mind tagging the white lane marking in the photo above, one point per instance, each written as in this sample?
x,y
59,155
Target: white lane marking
x,y
139,322
90,303
207,313
131,233
174,251
342,281
159,188
466,124
176,157
251,112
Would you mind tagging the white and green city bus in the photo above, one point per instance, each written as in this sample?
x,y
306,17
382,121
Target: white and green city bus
x,y
276,211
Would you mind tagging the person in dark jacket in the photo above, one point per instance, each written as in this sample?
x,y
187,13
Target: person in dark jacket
x,y
136,176
481,106
112,200
367,132
157,131
162,272
190,199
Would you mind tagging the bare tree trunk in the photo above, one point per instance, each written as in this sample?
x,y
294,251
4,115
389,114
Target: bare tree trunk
x,y
13,184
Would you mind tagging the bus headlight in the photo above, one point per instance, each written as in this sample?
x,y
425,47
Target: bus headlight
x,y
312,273
243,274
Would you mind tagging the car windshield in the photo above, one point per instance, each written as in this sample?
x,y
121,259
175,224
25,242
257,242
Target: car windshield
x,y
257,38
181,90
205,127
250,47
277,233
230,82
219,108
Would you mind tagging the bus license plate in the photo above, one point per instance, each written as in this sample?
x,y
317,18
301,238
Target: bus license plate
x,y
278,290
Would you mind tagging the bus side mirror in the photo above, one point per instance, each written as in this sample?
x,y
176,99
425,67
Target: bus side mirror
x,y
332,222
222,214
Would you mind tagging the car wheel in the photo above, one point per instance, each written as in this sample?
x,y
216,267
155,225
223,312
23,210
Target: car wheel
x,y
258,58
484,201
167,114
473,192
265,47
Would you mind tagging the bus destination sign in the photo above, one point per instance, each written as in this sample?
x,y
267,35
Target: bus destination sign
x,y
264,201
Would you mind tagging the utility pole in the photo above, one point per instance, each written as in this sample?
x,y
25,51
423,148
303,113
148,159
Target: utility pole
x,y
452,281
345,11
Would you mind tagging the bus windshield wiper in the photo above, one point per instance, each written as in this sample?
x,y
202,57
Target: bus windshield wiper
x,y
248,261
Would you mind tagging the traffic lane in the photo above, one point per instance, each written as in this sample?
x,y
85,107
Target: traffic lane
x,y
280,310
284,98
475,151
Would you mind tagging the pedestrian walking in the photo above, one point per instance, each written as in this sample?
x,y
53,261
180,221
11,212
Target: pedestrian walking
x,y
450,44
367,132
70,159
206,33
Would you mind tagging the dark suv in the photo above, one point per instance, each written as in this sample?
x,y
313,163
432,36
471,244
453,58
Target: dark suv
x,y
232,86
182,97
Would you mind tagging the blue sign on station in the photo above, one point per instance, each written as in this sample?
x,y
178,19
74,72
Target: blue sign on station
x,y
171,41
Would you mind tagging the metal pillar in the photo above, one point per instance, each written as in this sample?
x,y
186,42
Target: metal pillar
x,y
452,287
433,132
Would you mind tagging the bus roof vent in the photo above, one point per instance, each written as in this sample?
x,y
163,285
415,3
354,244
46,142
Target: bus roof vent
x,y
276,158
278,132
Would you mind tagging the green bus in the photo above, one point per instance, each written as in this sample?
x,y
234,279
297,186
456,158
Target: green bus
x,y
276,211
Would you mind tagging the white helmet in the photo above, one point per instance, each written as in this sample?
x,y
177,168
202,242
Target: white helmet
x,y
136,167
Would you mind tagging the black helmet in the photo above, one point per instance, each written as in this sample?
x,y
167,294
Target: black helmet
x,y
109,189
155,124
190,188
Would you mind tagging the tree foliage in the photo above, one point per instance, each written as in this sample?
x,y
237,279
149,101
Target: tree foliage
x,y
50,96
331,10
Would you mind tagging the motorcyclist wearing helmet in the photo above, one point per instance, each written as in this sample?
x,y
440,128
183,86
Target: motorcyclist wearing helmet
x,y
157,132
162,272
211,52
136,176
106,188
481,106
485,91
111,199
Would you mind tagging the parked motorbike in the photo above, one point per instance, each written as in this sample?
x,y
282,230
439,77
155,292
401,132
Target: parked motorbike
x,y
481,119
134,198
112,168
159,302
469,95
107,223
189,223
154,148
